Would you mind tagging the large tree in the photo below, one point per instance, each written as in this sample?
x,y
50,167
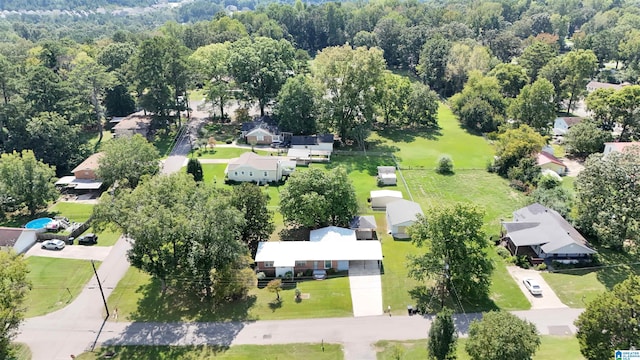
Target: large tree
x,y
261,66
535,106
514,145
442,337
317,198
180,230
211,68
433,62
607,197
422,106
349,79
297,106
480,106
535,57
456,255
252,202
580,66
26,182
511,77
610,321
126,160
502,336
14,288
586,138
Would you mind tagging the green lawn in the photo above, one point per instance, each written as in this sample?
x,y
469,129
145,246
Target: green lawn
x,y
279,352
138,298
56,282
213,172
164,141
576,287
422,148
227,153
568,183
75,212
551,348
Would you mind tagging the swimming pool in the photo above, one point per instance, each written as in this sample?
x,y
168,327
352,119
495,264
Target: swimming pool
x,y
38,224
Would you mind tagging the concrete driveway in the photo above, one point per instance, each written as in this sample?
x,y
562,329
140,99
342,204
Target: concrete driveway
x,y
366,288
573,166
548,299
80,252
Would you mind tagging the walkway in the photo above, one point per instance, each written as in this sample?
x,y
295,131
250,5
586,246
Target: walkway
x,y
366,288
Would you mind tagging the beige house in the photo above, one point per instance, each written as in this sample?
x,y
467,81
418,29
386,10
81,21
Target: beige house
x,y
547,161
136,123
87,169
84,176
261,136
251,167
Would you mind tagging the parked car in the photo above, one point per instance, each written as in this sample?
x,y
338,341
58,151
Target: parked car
x,y
89,239
54,244
533,286
319,274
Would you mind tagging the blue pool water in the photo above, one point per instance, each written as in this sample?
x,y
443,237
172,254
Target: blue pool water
x,y
38,223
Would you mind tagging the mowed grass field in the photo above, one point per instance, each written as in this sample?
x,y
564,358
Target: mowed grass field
x,y
551,348
240,352
139,298
56,282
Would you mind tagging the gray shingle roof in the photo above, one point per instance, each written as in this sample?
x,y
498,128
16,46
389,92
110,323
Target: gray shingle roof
x,y
363,222
539,225
401,211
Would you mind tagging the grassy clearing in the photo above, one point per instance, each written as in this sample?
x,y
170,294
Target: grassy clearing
x,y
56,282
422,148
21,351
227,153
552,347
568,182
577,287
75,212
280,352
138,298
164,141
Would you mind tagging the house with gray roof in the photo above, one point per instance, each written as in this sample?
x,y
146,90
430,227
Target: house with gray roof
x,y
18,239
251,167
400,215
539,232
365,227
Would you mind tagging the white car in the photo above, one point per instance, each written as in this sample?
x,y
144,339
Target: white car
x,y
533,286
54,244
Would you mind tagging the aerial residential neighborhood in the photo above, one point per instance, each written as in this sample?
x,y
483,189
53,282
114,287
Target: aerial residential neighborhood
x,y
257,179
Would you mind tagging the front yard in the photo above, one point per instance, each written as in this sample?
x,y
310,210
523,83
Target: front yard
x,y
280,352
139,298
56,282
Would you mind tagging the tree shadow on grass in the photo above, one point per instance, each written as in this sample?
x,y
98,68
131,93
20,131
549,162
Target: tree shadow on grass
x,y
428,301
160,352
182,305
403,134
275,305
619,265
367,164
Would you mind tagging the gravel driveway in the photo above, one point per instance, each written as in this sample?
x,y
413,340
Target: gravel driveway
x,y
81,252
548,299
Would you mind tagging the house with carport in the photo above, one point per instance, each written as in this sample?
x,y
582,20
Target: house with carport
x,y
136,123
541,233
401,214
328,248
251,167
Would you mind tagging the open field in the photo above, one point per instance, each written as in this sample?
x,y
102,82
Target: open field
x,y
422,148
552,347
280,352
56,282
139,298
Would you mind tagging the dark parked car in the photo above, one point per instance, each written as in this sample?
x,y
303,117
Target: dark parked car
x,y
89,239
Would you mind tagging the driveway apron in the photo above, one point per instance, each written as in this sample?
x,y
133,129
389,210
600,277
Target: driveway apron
x,y
366,288
548,299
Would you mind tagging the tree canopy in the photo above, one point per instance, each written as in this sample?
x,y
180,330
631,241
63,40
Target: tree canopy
x,y
501,335
126,160
25,182
14,289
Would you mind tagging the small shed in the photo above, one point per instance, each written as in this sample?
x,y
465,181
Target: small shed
x,y
387,175
365,227
380,198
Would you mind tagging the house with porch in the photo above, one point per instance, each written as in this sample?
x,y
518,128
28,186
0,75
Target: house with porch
x,y
328,248
251,167
84,177
263,131
541,233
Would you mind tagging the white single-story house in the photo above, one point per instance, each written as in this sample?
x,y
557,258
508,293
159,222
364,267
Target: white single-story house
x,y
595,85
547,161
18,239
387,175
619,146
400,215
538,231
136,123
328,248
251,167
307,156
380,198
365,227
313,142
561,125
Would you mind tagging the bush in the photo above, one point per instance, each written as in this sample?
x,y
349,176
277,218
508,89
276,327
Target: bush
x,y
523,262
261,275
445,165
229,141
288,275
503,252
308,272
511,260
541,267
331,271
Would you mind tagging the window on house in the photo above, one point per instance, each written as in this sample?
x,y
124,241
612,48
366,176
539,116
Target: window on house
x,y
235,173
260,137
327,264
243,173
265,173
250,173
268,264
301,263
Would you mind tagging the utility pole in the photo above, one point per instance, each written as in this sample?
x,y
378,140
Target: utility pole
x,y
443,287
104,300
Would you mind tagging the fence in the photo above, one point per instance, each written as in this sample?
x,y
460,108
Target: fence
x,y
64,237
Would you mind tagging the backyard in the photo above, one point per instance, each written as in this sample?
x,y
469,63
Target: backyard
x,y
280,352
56,282
78,212
552,347
139,298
